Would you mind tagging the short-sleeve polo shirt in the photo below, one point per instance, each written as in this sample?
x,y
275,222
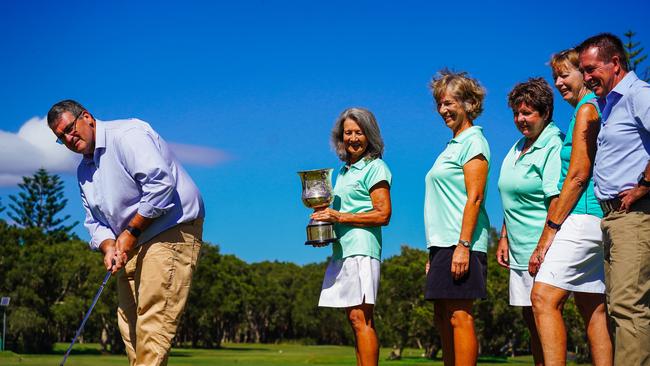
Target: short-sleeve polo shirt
x,y
352,195
446,195
526,184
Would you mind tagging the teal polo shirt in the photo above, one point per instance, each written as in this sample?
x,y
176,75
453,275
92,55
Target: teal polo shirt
x,y
587,203
526,184
445,194
352,195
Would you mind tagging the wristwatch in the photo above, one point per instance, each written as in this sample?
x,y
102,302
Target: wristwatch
x,y
464,243
642,181
553,225
133,230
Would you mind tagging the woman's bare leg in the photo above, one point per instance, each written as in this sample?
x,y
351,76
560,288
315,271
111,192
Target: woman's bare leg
x,y
363,324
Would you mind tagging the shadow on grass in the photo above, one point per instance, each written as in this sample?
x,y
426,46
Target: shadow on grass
x,y
488,359
187,350
79,351
241,349
492,359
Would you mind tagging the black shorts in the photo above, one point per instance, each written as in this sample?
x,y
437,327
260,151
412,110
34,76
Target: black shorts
x,y
441,285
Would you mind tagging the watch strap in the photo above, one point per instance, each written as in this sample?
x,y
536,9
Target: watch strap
x,y
133,230
464,243
642,181
553,225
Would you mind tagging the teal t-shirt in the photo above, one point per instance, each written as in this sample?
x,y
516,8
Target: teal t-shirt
x,y
445,193
587,203
526,184
352,195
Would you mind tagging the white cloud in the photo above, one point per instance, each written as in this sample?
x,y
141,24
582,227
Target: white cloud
x,y
198,155
34,147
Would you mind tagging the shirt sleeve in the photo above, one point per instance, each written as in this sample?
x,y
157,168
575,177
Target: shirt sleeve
x,y
142,158
551,171
642,107
378,172
98,231
473,148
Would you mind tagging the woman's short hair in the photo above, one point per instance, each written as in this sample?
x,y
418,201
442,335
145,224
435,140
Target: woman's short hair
x,y
535,93
368,124
564,60
466,90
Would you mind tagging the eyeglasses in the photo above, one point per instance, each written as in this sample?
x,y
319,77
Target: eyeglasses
x,y
70,128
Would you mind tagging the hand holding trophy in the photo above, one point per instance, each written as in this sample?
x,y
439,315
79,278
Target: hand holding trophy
x,y
317,194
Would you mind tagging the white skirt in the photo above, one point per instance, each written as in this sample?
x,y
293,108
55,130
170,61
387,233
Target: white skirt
x,y
574,262
521,285
350,282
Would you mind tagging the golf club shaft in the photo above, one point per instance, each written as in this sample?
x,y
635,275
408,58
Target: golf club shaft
x,y
83,322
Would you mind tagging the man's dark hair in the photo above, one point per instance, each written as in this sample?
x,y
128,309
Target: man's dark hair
x,y
535,93
608,46
59,108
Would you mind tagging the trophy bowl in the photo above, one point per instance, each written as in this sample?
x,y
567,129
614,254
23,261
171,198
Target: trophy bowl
x,y
317,193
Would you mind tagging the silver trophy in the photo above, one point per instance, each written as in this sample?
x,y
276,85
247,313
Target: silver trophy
x,y
317,193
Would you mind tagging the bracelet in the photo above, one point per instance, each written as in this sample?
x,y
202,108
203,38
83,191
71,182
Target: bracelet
x,y
553,225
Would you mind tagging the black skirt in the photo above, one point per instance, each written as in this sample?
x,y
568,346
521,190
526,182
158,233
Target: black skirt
x,y
441,284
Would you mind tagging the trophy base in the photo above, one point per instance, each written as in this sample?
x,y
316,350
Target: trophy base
x,y
319,243
320,233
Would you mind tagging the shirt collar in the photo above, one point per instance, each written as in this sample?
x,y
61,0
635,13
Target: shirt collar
x,y
100,141
359,165
548,132
589,96
625,83
467,134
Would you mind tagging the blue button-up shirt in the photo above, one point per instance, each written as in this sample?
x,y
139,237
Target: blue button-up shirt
x,y
624,139
133,170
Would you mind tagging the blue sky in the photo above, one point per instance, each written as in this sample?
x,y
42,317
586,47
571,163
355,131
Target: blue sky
x,y
256,85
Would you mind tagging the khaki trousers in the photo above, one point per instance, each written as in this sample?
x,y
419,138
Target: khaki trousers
x,y
626,238
152,291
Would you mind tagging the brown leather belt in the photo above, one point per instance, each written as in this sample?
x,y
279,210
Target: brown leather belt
x,y
615,204
610,205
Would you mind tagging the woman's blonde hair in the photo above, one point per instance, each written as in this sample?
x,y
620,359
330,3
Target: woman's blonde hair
x,y
563,59
466,90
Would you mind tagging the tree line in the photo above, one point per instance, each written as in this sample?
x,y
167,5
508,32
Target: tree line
x,y
51,277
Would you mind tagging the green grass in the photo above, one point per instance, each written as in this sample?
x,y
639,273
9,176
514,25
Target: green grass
x,y
239,355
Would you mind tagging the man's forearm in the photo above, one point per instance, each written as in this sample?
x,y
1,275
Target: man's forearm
x,y
140,222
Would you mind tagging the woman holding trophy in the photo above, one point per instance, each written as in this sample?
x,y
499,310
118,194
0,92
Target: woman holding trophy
x,y
361,206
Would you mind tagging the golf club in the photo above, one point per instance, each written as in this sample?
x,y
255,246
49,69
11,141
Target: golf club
x,y
83,322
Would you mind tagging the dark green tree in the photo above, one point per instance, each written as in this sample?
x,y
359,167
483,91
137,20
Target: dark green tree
x,y
636,56
39,204
404,318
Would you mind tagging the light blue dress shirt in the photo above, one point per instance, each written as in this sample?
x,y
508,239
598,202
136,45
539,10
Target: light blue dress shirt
x,y
624,139
133,170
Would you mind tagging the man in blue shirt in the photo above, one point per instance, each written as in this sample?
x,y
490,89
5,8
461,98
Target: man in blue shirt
x,y
144,212
622,185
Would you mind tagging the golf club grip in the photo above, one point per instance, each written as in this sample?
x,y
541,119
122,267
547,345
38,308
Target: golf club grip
x,y
83,322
